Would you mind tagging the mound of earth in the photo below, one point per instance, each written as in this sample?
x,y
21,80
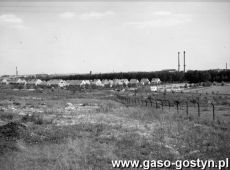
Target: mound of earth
x,y
10,135
12,130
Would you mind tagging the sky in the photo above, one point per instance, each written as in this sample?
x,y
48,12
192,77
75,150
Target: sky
x,y
76,37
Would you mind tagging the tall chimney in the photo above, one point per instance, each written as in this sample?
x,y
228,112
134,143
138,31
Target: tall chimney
x,y
226,65
178,61
184,61
16,71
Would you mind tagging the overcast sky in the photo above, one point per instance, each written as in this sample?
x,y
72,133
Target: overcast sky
x,y
58,37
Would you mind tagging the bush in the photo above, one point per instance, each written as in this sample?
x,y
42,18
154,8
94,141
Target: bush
x,y
222,83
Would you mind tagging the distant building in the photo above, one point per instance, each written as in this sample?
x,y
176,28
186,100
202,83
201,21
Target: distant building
x,y
98,82
155,81
117,82
5,81
105,82
43,83
62,83
169,70
145,81
133,82
86,82
125,81
20,81
38,82
34,82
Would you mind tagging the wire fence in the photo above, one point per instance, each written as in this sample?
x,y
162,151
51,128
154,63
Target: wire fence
x,y
186,106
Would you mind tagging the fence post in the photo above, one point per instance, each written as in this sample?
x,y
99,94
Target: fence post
x,y
187,108
213,112
146,103
177,106
169,104
156,104
162,104
198,105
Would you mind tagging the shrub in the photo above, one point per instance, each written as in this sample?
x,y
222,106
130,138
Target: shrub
x,y
222,83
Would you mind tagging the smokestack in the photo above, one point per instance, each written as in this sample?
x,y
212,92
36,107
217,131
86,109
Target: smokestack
x,y
184,61
178,61
16,71
226,65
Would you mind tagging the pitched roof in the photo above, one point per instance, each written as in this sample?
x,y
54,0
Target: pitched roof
x,y
133,81
145,80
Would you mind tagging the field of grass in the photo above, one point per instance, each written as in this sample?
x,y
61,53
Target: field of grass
x,y
85,130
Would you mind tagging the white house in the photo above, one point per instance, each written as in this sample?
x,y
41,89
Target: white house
x,y
38,82
133,82
43,83
86,82
20,81
145,81
62,83
5,81
125,81
117,82
98,82
105,82
155,81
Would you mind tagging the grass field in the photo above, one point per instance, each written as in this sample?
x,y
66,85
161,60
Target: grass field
x,y
85,130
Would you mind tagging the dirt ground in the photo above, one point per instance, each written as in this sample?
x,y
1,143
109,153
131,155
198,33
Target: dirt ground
x,y
58,129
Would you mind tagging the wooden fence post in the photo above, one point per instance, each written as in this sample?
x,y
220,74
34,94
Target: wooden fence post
x,y
187,108
213,112
162,104
156,104
198,105
169,104
177,106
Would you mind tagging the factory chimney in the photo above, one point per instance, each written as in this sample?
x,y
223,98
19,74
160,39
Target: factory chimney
x,y
178,61
16,71
184,61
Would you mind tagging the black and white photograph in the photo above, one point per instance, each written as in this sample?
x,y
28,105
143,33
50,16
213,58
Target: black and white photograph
x,y
114,84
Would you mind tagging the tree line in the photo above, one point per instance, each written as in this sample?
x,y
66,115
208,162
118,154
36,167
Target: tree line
x,y
192,76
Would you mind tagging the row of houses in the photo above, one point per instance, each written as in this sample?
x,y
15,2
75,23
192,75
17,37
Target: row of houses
x,y
96,82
